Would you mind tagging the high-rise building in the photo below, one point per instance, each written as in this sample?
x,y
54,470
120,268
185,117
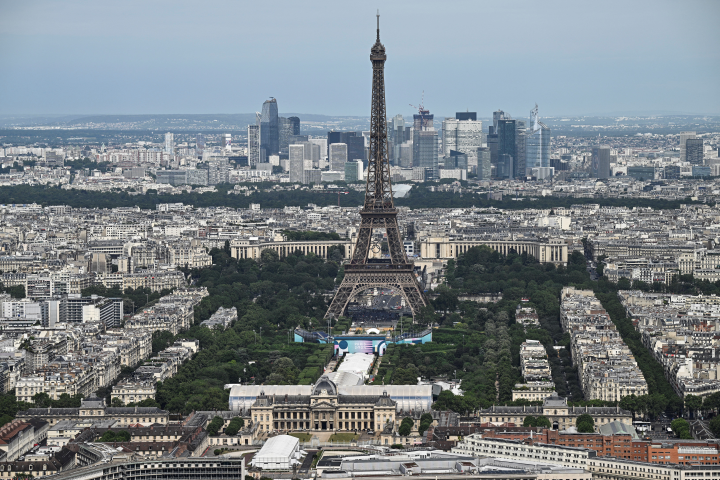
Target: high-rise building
x,y
353,171
425,152
601,162
464,136
497,116
296,163
684,137
218,171
269,128
456,160
466,116
404,158
338,156
506,167
227,141
295,122
253,146
288,127
397,135
484,165
425,143
169,143
694,151
520,133
312,176
537,140
286,131
322,147
492,143
199,144
507,131
355,144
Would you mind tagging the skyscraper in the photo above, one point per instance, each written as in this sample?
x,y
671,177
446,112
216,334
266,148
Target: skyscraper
x,y
397,135
466,116
484,166
464,136
684,137
497,116
296,163
169,143
601,162
425,151
425,142
507,145
492,143
537,152
253,147
338,157
694,151
269,132
288,127
520,133
295,122
355,144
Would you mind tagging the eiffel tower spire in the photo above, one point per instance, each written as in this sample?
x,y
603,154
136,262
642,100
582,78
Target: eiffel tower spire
x,y
378,213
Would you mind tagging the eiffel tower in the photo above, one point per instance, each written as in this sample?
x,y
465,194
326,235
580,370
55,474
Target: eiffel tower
x,y
378,213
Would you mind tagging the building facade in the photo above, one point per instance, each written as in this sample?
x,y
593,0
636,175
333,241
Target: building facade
x,y
323,410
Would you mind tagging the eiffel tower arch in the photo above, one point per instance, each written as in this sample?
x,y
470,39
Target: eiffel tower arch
x,y
378,213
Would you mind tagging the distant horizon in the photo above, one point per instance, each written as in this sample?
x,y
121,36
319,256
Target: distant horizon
x,y
405,114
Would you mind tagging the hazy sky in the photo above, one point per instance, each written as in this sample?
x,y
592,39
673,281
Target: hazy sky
x,y
177,56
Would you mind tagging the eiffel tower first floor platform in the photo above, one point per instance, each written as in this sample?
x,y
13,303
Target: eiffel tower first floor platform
x,y
359,278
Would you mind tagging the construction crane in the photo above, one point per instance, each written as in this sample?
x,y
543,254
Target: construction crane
x,y
421,109
423,113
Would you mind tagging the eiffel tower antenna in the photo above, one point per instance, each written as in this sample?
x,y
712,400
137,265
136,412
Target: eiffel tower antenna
x,y
379,213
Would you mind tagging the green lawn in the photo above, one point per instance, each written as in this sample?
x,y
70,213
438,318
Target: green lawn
x,y
342,437
303,437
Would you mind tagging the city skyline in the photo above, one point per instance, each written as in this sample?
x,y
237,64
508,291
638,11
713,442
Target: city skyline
x,y
641,58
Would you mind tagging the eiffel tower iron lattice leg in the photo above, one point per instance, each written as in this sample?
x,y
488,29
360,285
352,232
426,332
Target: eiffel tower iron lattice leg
x,y
357,281
378,213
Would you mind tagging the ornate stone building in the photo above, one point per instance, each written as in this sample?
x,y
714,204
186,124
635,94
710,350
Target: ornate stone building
x,y
325,409
556,409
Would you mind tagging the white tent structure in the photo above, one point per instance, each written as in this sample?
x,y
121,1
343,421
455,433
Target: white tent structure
x,y
278,453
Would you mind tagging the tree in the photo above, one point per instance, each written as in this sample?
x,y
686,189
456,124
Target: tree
x,y
585,423
681,428
42,400
425,421
116,402
629,403
530,421
715,426
693,403
215,425
285,368
269,255
406,426
234,427
543,421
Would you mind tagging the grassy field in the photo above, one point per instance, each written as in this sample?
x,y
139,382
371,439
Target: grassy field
x,y
342,437
303,437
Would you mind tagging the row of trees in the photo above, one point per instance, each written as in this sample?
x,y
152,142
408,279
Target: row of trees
x,y
418,197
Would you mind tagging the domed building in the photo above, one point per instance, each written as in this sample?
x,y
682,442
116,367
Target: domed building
x,y
320,407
